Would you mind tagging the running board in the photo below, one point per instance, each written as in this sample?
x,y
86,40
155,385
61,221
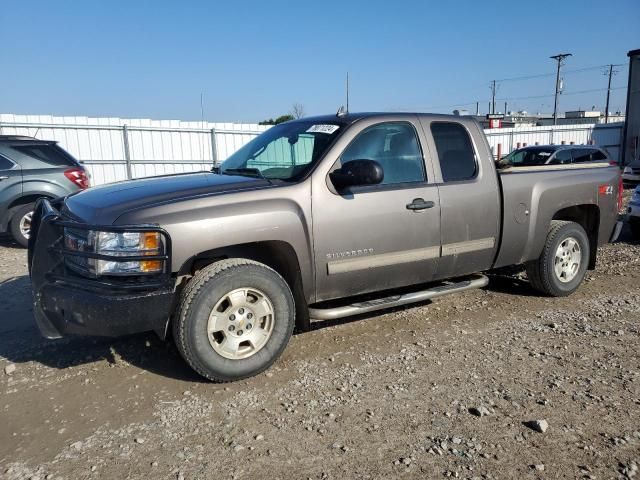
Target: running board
x,y
477,281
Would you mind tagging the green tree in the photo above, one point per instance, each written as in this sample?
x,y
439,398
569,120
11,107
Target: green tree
x,y
280,119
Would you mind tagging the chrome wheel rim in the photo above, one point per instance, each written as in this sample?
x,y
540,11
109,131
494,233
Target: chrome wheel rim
x,y
241,323
25,224
567,260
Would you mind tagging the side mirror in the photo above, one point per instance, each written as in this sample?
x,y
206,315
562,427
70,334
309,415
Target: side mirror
x,y
357,172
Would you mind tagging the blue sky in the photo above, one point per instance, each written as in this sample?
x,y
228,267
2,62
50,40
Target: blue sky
x,y
253,60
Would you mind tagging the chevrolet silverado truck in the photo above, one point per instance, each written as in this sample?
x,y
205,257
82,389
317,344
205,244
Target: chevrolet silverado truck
x,y
315,219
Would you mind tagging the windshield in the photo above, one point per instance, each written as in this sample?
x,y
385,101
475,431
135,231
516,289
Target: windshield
x,y
529,156
284,152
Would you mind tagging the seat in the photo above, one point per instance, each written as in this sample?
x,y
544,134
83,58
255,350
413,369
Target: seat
x,y
403,162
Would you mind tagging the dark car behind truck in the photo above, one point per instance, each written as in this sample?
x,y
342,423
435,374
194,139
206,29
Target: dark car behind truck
x,y
317,218
30,169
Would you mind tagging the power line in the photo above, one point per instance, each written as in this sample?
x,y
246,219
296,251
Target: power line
x,y
502,99
579,92
551,74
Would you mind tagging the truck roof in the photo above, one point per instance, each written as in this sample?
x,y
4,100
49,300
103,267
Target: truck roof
x,y
351,117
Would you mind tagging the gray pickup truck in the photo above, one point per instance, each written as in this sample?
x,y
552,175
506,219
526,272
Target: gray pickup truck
x,y
315,219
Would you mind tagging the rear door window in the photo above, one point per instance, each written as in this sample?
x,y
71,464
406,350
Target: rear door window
x,y
581,155
455,151
50,154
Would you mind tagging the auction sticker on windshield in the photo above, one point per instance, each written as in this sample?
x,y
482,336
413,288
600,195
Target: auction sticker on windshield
x,y
329,129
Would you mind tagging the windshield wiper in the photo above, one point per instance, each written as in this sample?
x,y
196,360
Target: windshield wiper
x,y
246,172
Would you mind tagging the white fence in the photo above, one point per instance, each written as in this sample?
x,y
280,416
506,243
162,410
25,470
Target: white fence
x,y
114,149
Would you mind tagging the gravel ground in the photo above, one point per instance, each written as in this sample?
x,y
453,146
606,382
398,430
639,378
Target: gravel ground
x,y
492,383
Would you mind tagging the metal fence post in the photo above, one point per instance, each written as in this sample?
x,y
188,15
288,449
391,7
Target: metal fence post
x,y
127,154
214,148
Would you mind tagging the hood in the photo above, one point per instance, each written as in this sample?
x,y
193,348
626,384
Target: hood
x,y
104,204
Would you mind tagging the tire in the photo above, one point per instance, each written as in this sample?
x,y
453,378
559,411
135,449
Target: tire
x,y
21,216
217,356
542,272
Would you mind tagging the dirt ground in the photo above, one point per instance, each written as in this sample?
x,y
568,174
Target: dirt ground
x,y
443,389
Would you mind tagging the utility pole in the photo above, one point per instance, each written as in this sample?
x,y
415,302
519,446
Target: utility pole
x,y
612,72
477,108
560,59
493,96
505,109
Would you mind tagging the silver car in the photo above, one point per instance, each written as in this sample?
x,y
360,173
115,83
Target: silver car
x,y
30,169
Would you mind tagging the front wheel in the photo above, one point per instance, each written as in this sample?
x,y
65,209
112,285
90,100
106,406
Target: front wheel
x,y
235,318
21,224
562,265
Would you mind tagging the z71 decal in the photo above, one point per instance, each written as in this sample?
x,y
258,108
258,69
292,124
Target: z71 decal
x,y
605,189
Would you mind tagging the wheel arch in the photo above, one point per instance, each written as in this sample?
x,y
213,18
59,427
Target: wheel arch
x,y
588,217
19,202
277,254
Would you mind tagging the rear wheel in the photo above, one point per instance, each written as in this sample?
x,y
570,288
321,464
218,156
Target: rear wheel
x,y
21,224
562,265
235,318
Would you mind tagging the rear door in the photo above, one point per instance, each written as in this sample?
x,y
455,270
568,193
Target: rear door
x,y
10,184
470,205
376,237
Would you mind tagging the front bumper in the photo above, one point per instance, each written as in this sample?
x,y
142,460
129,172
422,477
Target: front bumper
x,y
66,303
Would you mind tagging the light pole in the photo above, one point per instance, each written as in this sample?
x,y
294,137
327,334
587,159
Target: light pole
x,y
560,59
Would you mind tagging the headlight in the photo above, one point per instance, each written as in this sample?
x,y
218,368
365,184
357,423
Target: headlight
x,y
635,197
120,246
627,170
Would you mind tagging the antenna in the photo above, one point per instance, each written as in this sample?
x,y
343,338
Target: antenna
x,y
341,111
347,111
201,123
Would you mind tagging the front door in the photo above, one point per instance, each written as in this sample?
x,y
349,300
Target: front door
x,y
383,236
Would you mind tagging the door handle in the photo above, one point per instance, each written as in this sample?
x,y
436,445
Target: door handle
x,y
420,204
3,178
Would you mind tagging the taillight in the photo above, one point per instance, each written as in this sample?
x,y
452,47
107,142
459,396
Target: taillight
x,y
620,189
78,176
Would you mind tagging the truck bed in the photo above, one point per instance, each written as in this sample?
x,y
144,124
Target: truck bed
x,y
533,196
